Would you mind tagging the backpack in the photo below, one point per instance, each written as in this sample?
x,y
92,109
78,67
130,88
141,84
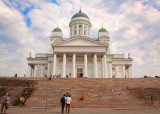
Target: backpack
x,y
21,99
63,100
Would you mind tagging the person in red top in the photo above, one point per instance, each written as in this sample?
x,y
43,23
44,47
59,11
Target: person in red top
x,y
50,77
82,98
15,75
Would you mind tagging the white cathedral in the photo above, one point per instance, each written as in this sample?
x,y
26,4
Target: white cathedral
x,y
80,55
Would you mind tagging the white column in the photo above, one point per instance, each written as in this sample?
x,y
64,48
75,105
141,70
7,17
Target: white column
x,y
95,65
74,65
110,71
64,65
42,67
124,72
32,71
117,72
85,65
107,70
48,71
105,66
54,63
129,72
35,69
29,71
102,67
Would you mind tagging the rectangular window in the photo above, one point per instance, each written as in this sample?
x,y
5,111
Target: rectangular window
x,y
84,32
75,32
79,70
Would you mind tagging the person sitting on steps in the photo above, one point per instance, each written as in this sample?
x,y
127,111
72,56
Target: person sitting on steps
x,y
82,98
50,77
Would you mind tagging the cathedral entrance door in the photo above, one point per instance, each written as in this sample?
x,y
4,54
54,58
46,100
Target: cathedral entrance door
x,y
79,72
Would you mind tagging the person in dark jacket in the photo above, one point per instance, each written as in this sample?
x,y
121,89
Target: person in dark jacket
x,y
151,100
63,101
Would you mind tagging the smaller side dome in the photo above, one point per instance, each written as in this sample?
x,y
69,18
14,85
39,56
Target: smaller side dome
x,y
102,29
57,30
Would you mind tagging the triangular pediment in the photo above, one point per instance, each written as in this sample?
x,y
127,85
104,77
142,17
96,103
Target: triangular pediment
x,y
80,42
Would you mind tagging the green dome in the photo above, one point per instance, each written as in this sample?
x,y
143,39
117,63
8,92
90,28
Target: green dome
x,y
80,14
102,30
57,30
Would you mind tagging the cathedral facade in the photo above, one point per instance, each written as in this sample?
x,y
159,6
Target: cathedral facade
x,y
80,55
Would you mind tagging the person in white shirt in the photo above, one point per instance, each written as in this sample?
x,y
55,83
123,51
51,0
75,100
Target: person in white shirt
x,y
68,102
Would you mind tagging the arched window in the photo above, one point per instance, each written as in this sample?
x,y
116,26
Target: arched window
x,y
84,30
75,30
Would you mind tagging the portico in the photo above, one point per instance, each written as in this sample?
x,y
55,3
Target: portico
x,y
72,61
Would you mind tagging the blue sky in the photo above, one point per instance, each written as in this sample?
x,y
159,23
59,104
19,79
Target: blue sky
x,y
133,26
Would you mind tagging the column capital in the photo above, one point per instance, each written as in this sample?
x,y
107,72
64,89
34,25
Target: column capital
x,y
95,54
104,54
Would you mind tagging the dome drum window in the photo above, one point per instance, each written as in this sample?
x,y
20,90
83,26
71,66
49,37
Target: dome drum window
x,y
75,30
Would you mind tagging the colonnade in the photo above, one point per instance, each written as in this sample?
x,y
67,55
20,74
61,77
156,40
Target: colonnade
x,y
74,65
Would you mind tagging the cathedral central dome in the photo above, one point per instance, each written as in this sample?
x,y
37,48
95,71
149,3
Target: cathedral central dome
x,y
80,14
80,25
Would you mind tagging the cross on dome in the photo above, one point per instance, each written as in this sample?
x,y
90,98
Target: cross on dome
x,y
103,29
80,9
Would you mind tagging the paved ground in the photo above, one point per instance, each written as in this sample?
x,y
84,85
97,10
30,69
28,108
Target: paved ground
x,y
84,111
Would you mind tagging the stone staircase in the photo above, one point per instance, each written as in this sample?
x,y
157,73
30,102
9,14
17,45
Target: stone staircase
x,y
98,93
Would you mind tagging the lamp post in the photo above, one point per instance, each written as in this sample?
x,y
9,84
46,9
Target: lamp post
x,y
46,97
